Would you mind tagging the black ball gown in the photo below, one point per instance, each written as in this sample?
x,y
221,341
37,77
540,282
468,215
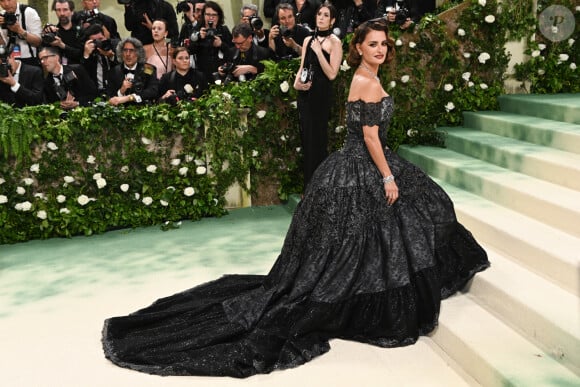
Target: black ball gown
x,y
351,267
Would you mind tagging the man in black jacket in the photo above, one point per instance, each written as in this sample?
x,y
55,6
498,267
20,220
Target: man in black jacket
x,y
23,84
66,34
287,38
69,84
133,80
98,56
140,14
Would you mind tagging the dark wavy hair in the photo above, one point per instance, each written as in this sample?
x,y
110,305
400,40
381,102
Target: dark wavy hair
x,y
216,7
354,59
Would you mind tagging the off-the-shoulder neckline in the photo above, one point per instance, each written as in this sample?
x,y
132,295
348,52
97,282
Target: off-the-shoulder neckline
x,y
360,100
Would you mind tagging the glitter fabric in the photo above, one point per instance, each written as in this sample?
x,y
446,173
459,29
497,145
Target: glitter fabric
x,y
351,267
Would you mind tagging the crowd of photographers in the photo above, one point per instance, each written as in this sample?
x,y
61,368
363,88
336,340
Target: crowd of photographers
x,y
83,57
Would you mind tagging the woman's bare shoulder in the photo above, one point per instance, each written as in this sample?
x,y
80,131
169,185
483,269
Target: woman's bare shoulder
x,y
365,89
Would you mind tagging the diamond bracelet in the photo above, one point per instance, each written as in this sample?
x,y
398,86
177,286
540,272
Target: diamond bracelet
x,y
388,179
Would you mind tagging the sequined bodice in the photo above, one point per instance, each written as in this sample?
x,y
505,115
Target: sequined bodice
x,y
359,114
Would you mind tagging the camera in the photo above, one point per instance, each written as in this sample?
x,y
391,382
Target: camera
x,y
63,89
183,6
103,44
87,16
256,23
181,95
47,38
285,32
4,65
211,32
9,19
402,13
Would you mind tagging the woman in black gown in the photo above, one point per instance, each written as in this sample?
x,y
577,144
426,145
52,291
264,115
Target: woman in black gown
x,y
321,57
372,249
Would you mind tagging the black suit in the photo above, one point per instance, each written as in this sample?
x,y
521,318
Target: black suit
x,y
81,86
145,85
30,92
175,81
282,51
91,64
252,57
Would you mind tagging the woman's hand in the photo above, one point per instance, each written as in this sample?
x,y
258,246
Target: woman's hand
x,y
391,192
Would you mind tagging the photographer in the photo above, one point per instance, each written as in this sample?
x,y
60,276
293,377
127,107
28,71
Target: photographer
x,y
98,56
243,60
249,15
91,15
210,42
139,16
183,83
132,81
402,13
20,28
69,84
21,83
65,35
351,13
192,18
287,38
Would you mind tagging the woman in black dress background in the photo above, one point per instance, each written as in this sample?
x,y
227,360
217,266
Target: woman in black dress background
x,y
321,57
372,250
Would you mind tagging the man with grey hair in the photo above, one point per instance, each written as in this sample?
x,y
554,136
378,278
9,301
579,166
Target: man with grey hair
x,y
250,14
132,81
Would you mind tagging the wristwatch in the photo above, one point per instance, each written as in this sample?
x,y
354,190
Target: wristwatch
x,y
23,35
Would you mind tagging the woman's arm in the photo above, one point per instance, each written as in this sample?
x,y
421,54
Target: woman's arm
x,y
331,68
298,85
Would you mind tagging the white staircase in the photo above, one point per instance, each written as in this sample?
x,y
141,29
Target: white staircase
x,y
514,176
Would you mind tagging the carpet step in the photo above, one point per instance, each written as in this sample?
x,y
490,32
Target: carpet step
x,y
493,353
560,107
545,163
545,250
550,203
544,313
541,131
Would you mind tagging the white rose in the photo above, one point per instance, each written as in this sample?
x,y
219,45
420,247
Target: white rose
x,y
411,132
97,176
578,8
344,66
2,181
450,106
572,66
412,45
283,138
398,42
294,104
489,19
535,53
91,159
218,82
35,168
147,200
40,195
470,84
183,171
69,179
20,190
125,168
124,187
41,214
467,55
64,210
542,46
137,196
482,2
448,87
145,141
61,198
405,78
483,86
83,199
338,129
261,114
24,206
51,145
563,57
27,181
255,153
189,191
175,162
227,95
284,87
188,158
483,57
151,168
199,162
466,76
541,71
571,42
392,84
3,199
163,203
460,32
101,183
201,170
